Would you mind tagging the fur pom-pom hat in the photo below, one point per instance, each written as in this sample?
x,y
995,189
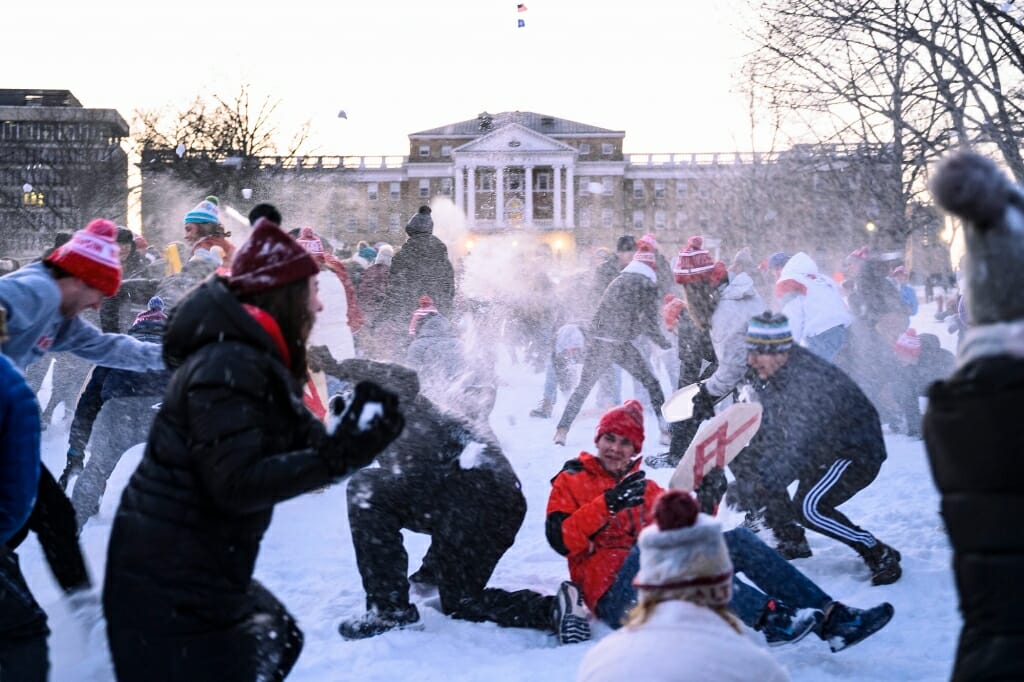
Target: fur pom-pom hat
x,y
92,256
683,552
421,223
973,188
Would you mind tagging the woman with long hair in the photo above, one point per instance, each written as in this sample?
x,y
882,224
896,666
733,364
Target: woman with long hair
x,y
231,439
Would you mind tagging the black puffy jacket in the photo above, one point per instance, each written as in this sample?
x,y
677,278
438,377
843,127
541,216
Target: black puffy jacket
x,y
974,435
231,439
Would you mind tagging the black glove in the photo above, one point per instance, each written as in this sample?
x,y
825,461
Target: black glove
x,y
711,490
703,405
72,468
368,425
629,492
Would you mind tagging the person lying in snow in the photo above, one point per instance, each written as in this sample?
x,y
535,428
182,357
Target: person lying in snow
x,y
597,508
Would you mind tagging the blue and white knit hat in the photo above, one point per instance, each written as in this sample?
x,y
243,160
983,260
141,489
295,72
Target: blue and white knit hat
x,y
207,211
769,333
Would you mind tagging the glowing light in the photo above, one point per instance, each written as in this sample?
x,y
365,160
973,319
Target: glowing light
x,y
26,188
870,227
470,244
558,245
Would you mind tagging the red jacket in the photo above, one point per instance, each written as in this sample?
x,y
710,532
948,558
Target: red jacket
x,y
580,526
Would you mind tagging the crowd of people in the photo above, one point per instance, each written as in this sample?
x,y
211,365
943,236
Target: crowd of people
x,y
258,372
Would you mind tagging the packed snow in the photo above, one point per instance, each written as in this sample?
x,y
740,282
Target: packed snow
x,y
307,561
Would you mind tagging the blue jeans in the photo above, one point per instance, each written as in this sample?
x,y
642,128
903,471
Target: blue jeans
x,y
758,562
826,345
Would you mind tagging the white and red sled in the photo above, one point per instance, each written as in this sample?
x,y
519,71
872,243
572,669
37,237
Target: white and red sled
x,y
717,442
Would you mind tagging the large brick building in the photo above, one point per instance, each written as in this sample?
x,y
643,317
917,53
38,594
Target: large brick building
x,y
61,164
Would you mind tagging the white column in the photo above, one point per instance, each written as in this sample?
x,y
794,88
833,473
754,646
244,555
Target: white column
x,y
460,196
529,195
499,186
570,199
558,195
471,204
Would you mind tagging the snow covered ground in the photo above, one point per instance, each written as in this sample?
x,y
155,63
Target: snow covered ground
x,y
307,561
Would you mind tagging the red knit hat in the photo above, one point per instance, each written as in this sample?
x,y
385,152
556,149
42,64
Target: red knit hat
x,y
645,248
270,258
695,264
626,420
92,256
908,345
308,240
426,308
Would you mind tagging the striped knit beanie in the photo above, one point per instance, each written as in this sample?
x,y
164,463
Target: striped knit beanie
x,y
645,249
769,333
694,264
206,211
92,256
908,346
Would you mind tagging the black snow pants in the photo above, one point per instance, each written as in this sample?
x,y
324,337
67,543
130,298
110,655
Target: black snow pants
x,y
23,652
472,517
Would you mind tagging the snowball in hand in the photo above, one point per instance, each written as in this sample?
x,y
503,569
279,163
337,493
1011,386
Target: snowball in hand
x,y
370,413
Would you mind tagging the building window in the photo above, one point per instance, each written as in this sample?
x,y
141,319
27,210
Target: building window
x,y
584,218
659,221
682,189
606,186
584,184
394,222
681,220
446,150
513,179
638,220
659,189
606,217
33,198
352,225
374,222
424,150
485,178
584,147
424,188
371,191
607,149
396,191
638,189
446,185
543,181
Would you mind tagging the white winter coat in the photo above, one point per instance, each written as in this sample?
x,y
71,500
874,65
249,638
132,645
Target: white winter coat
x,y
739,302
331,328
822,306
680,642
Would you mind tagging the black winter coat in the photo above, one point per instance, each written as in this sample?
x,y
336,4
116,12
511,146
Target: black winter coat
x,y
975,436
420,267
232,438
813,415
629,308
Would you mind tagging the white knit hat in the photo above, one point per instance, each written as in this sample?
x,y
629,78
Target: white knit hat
x,y
683,552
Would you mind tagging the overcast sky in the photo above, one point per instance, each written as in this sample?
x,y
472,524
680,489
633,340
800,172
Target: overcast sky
x,y
664,72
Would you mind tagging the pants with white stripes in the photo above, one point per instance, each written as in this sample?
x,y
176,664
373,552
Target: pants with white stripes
x,y
815,502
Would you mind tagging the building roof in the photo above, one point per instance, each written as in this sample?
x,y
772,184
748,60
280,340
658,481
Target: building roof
x,y
542,123
37,98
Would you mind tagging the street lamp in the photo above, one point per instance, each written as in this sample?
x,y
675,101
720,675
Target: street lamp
x,y
870,227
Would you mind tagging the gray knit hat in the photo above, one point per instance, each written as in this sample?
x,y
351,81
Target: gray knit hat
x,y
421,223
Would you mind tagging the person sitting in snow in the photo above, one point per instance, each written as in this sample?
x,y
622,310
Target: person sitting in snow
x,y
819,428
444,479
597,508
120,405
628,309
681,628
232,438
973,429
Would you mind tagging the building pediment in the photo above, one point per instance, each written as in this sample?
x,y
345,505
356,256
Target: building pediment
x,y
514,138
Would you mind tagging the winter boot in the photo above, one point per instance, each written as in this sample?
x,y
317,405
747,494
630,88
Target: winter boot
x,y
782,625
790,549
568,617
884,563
543,410
375,622
844,625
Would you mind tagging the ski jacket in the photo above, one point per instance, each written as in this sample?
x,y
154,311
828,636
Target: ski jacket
x,y
738,303
973,433
580,527
373,288
231,439
19,450
680,642
629,308
810,300
813,415
35,327
420,267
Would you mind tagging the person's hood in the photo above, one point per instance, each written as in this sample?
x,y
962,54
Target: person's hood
x,y
797,266
740,286
635,267
210,313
